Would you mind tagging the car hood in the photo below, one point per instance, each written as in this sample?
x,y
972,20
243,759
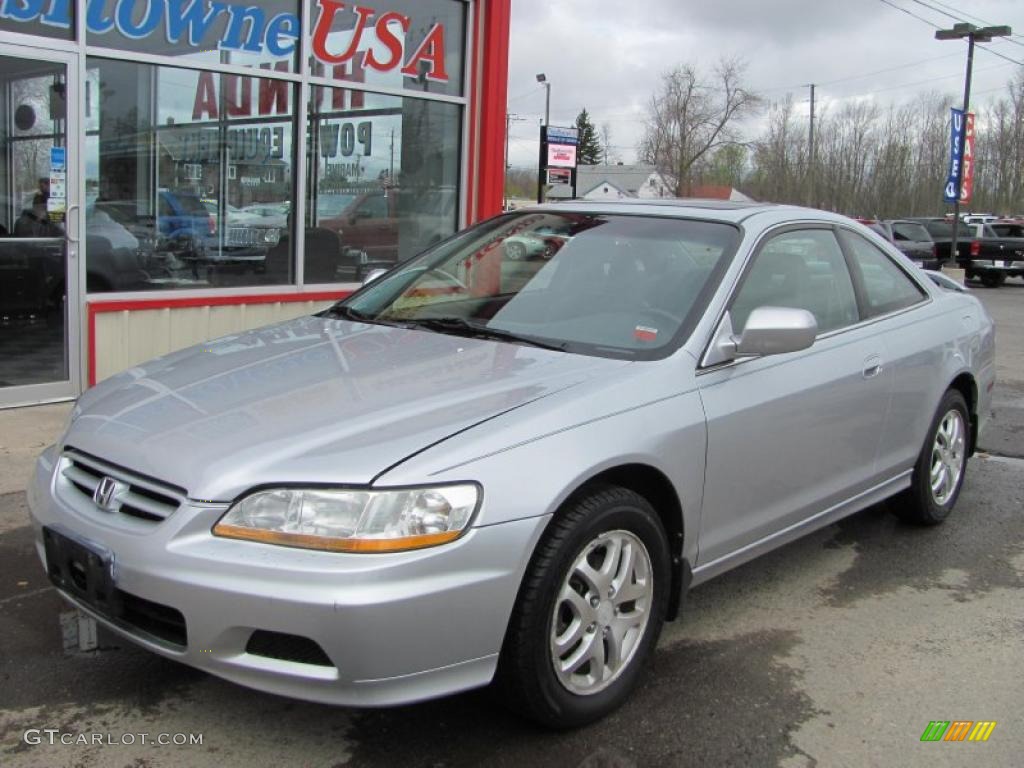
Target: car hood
x,y
311,400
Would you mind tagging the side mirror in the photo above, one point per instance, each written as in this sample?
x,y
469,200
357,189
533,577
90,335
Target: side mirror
x,y
776,331
769,331
373,274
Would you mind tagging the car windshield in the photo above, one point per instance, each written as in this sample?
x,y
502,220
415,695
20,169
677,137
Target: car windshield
x,y
906,230
608,285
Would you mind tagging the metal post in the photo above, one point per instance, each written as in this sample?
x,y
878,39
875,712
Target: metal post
x,y
541,163
953,246
504,175
547,105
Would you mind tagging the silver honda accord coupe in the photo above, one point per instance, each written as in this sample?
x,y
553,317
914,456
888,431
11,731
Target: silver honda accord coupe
x,y
484,468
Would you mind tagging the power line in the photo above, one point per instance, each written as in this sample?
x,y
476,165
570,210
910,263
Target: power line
x,y
1001,56
965,15
901,9
888,69
938,26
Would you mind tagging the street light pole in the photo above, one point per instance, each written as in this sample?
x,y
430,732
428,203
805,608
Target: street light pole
x,y
543,80
974,35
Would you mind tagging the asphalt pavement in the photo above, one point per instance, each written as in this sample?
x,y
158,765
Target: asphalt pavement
x,y
836,650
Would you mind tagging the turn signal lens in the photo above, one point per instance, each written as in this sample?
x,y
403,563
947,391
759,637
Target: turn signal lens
x,y
352,520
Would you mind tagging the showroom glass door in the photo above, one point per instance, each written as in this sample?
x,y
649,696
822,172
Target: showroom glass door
x,y
39,220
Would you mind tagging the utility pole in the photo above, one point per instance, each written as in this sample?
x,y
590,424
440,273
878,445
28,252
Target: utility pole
x,y
391,172
811,156
974,35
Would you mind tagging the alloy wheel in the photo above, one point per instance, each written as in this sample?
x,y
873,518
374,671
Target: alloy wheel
x,y
601,612
948,457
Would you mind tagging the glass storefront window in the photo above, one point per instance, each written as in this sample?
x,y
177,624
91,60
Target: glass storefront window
x,y
227,32
416,45
45,18
188,178
33,212
383,180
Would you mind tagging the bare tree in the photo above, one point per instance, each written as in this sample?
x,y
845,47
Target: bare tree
x,y
694,114
610,156
780,156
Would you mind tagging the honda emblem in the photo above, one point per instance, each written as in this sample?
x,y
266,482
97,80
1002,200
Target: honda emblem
x,y
104,493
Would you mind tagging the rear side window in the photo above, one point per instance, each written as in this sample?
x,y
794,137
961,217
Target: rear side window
x,y
887,288
1008,230
905,230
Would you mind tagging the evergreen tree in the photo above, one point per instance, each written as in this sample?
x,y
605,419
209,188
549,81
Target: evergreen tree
x,y
590,152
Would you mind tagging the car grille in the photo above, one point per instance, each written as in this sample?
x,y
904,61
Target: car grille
x,y
134,495
246,237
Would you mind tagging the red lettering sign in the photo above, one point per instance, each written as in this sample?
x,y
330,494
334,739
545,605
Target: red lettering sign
x,y
427,61
967,185
430,52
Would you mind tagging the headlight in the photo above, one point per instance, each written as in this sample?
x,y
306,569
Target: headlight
x,y
351,520
272,236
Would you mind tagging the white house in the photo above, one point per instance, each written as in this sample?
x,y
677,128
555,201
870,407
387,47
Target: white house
x,y
624,182
615,182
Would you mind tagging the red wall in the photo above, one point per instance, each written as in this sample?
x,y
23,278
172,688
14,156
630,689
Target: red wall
x,y
487,112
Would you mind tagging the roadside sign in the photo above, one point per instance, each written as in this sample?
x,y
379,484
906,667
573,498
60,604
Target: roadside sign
x,y
559,176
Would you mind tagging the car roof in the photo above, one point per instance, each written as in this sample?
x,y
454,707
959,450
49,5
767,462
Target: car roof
x,y
688,208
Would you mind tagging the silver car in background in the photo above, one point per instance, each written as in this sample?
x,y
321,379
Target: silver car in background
x,y
483,468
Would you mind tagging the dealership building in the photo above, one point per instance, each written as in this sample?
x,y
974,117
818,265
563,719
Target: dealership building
x,y
179,170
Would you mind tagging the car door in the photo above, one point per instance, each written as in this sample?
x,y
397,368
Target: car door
x,y
896,304
792,435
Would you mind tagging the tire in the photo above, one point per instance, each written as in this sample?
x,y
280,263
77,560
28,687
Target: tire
x,y
599,528
992,279
921,504
515,251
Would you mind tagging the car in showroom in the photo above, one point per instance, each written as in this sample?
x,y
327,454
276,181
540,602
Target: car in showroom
x,y
443,482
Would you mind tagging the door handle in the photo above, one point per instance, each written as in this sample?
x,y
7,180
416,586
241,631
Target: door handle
x,y
69,229
873,366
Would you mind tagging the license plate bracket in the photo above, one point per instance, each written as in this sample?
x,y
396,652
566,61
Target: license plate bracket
x,y
83,569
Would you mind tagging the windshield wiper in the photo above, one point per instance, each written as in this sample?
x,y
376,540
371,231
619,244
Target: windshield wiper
x,y
459,327
347,313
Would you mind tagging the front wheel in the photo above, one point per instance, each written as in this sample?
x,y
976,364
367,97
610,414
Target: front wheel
x,y
589,611
939,473
515,251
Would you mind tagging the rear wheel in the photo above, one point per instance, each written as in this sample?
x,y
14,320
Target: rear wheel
x,y
939,473
992,279
589,611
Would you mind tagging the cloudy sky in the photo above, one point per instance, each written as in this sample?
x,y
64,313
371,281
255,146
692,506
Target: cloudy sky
x,y
609,55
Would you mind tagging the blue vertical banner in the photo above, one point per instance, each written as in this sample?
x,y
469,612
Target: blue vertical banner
x,y
956,137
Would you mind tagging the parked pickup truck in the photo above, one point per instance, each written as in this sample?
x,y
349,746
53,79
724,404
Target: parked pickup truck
x,y
912,238
941,231
996,253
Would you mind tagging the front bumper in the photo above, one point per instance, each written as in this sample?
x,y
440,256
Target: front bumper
x,y
395,628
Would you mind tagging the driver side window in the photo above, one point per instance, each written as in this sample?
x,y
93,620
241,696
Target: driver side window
x,y
801,269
